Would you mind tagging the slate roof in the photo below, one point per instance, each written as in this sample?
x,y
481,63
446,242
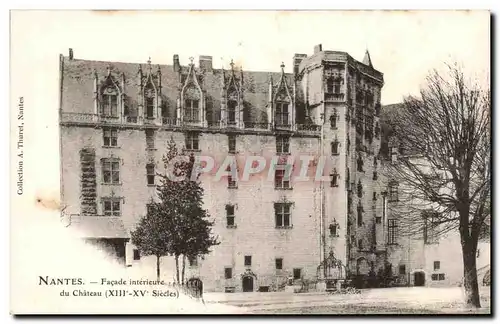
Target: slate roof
x,y
78,86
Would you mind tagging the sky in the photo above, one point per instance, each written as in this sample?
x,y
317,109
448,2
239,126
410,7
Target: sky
x,y
404,45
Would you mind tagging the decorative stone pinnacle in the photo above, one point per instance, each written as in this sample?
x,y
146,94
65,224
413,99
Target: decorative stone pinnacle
x,y
232,64
149,61
191,59
282,65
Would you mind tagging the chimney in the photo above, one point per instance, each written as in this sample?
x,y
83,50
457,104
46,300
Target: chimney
x,y
177,66
297,59
318,48
70,53
206,63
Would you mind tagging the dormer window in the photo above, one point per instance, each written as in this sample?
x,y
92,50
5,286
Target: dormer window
x,y
282,114
109,102
191,110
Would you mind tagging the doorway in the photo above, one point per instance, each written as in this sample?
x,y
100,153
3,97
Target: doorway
x,y
419,279
247,284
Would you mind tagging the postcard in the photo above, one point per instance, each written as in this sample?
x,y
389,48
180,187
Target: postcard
x,y
250,162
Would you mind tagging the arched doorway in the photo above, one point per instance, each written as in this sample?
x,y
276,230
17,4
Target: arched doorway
x,y
195,287
419,278
247,283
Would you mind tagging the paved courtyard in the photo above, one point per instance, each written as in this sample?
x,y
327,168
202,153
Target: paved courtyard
x,y
412,300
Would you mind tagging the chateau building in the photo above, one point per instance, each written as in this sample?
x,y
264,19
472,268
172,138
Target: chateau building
x,y
115,122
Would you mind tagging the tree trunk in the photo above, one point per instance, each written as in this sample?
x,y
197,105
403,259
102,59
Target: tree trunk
x,y
177,268
158,267
470,275
183,267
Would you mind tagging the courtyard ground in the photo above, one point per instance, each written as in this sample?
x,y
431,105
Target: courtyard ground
x,y
405,300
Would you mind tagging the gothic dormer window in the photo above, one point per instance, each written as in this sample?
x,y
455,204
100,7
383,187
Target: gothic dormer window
x,y
283,102
233,98
150,87
109,101
192,98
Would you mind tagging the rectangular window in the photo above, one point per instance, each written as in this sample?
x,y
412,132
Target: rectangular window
x,y
110,137
231,182
434,277
228,273
437,265
111,171
150,107
248,260
441,276
191,111
334,180
360,215
375,175
150,171
232,143
231,112
393,191
281,180
329,86
335,148
297,273
392,231
333,229
111,207
192,141
374,196
333,121
402,269
137,255
193,261
150,139
230,215
360,164
110,105
282,144
279,263
281,114
282,213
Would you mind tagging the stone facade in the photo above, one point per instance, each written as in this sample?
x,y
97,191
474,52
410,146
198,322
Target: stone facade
x,y
116,120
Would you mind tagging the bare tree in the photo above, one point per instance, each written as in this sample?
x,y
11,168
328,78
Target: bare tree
x,y
443,169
